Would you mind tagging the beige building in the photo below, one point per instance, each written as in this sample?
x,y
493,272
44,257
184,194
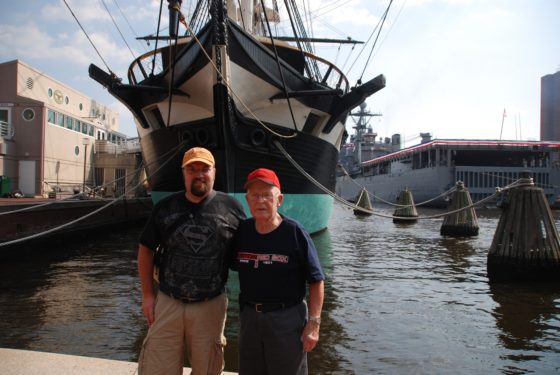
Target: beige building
x,y
55,139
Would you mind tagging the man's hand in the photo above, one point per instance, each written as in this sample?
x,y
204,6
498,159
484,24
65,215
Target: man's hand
x,y
310,336
148,307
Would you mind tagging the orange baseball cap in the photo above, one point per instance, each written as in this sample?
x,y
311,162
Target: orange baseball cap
x,y
198,154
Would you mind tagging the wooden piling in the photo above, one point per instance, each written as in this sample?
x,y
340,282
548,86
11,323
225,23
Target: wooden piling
x,y
406,213
526,244
363,202
461,223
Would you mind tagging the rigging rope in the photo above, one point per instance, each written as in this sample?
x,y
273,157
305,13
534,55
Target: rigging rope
x,y
375,41
284,86
226,82
119,30
157,38
88,38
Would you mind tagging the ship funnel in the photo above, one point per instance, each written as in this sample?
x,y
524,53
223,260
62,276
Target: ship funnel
x,y
426,137
174,14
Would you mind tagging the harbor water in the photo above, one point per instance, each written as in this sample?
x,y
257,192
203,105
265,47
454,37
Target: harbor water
x,y
399,299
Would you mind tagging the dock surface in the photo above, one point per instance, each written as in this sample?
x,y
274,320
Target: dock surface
x,y
25,362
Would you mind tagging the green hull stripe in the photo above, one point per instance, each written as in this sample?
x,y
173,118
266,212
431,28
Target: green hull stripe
x,y
310,210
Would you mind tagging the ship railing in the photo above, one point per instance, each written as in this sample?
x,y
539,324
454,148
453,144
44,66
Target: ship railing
x,y
153,62
145,65
330,74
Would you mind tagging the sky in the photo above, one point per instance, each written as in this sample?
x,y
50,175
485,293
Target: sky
x,y
454,68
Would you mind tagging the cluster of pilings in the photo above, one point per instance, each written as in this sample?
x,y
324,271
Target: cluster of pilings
x,y
363,202
526,244
406,211
461,220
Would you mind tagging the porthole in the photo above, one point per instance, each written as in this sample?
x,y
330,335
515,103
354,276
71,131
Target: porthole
x,y
66,100
50,92
77,150
81,106
28,114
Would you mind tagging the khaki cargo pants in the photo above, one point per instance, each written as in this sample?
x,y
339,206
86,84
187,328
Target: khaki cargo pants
x,y
197,327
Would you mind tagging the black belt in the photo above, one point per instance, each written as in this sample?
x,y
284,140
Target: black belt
x,y
268,306
194,300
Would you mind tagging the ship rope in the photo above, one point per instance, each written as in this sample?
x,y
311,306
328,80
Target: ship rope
x,y
377,28
351,205
444,194
89,39
284,86
74,196
225,81
117,27
112,202
157,38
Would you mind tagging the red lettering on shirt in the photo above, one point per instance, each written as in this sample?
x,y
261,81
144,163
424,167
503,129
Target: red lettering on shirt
x,y
245,257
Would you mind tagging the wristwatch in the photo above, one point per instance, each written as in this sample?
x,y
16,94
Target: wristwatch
x,y
316,319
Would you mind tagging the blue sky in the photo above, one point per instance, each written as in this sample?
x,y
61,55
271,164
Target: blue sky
x,y
452,66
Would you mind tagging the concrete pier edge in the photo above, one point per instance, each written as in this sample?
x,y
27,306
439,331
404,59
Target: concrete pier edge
x,y
28,362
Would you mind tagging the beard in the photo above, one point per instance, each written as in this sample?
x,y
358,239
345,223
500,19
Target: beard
x,y
199,188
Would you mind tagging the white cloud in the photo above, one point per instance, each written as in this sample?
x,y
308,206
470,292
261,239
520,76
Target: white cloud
x,y
84,10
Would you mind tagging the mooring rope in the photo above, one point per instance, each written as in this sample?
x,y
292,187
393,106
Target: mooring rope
x,y
365,210
445,193
113,201
74,196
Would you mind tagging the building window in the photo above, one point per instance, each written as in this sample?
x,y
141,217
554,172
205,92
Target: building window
x,y
91,130
69,121
84,128
50,92
76,125
28,114
66,100
51,116
81,106
60,119
77,150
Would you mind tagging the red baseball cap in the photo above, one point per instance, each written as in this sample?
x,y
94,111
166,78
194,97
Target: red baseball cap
x,y
264,175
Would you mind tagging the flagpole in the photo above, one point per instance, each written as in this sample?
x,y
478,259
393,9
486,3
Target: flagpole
x,y
502,129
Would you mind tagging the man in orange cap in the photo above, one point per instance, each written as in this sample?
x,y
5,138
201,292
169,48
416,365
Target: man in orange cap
x,y
276,259
195,228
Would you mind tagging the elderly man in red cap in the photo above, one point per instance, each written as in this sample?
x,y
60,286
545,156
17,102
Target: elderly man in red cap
x,y
195,228
276,259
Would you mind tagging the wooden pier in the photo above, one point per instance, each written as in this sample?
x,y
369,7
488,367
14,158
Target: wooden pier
x,y
19,220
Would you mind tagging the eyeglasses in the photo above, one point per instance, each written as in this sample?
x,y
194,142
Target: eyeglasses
x,y
205,170
267,197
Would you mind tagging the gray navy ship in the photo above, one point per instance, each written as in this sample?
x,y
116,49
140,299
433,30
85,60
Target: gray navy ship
x,y
434,166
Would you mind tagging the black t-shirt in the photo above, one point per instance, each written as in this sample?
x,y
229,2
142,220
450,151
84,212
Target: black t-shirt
x,y
275,267
196,237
